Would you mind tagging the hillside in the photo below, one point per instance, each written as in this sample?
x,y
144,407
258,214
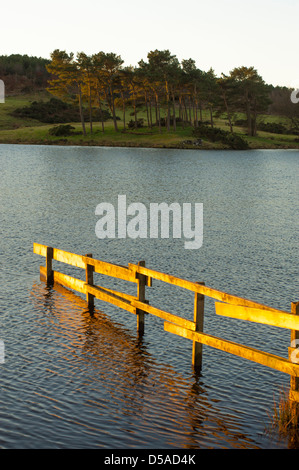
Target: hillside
x,y
30,112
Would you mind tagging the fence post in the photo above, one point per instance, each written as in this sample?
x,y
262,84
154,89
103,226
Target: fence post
x,y
198,319
49,269
294,382
141,297
89,270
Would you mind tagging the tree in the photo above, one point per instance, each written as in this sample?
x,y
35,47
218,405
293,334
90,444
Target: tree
x,y
109,65
22,73
192,81
162,67
251,93
227,90
152,79
131,88
85,67
210,93
68,79
145,88
99,84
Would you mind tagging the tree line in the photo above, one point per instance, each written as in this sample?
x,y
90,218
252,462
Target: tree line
x,y
170,91
23,73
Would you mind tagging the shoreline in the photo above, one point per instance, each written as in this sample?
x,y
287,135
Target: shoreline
x,y
23,130
92,143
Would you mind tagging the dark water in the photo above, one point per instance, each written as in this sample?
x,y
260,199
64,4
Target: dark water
x,y
74,381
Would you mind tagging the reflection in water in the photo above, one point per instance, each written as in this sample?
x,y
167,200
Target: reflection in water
x,y
126,397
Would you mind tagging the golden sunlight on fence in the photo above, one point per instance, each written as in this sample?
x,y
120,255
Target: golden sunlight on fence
x,y
226,305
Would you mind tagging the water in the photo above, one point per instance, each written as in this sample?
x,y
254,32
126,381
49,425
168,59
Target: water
x,y
74,381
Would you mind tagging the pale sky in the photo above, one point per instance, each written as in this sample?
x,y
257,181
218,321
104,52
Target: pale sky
x,y
222,34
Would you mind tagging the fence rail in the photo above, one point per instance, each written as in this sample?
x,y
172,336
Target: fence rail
x,y
229,306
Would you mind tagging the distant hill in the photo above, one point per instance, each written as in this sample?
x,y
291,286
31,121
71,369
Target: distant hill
x,y
23,74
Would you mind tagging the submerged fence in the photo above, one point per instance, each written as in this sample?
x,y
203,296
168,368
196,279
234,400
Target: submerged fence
x,y
225,305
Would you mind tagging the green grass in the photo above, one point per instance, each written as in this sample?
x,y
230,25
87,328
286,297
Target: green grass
x,y
31,131
141,138
13,102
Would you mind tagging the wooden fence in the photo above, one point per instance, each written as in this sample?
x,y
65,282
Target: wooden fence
x,y
225,305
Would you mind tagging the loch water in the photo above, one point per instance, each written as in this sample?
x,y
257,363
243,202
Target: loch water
x,y
72,380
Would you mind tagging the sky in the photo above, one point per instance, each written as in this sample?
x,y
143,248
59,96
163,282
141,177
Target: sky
x,y
218,34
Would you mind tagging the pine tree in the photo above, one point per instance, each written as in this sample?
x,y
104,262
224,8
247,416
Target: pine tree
x,y
67,79
251,93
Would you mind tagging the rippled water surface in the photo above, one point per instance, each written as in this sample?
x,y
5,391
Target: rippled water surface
x,y
71,380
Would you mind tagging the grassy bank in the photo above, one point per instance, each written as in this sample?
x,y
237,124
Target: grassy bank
x,y
140,138
31,131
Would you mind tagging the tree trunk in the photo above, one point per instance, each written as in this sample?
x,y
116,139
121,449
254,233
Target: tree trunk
x,y
227,111
90,110
190,116
146,107
249,123
200,112
81,110
211,115
124,111
168,106
180,107
135,113
113,109
248,113
158,112
168,115
196,106
196,113
150,112
109,93
174,116
254,120
101,112
253,125
186,112
181,112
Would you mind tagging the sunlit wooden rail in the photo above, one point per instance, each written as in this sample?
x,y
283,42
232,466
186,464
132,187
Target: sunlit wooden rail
x,y
225,305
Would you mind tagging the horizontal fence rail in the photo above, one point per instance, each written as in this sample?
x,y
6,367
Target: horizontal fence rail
x,y
226,305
